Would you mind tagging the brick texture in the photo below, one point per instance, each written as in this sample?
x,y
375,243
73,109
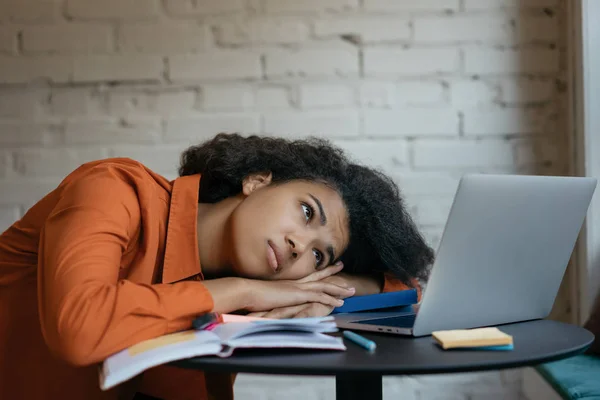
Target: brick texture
x,y
113,9
215,65
8,39
424,90
320,62
30,11
70,38
163,38
415,62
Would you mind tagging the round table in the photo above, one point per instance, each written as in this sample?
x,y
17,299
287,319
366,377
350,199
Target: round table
x,y
359,373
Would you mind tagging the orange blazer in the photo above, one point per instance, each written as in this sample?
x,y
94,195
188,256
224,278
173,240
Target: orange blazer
x,y
107,259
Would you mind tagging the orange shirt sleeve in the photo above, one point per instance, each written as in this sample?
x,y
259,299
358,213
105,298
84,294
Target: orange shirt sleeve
x,y
391,284
86,312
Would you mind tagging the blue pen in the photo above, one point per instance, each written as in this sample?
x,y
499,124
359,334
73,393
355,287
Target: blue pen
x,y
359,340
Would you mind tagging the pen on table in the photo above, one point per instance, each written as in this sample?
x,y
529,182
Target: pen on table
x,y
360,340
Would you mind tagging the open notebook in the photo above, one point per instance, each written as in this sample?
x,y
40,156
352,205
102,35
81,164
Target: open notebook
x,y
221,340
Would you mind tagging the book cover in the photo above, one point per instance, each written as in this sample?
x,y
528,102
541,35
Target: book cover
x,y
378,301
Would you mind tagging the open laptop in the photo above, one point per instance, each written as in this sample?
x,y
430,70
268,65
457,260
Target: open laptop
x,y
503,253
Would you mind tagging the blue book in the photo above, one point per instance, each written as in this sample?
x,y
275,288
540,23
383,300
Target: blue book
x,y
378,301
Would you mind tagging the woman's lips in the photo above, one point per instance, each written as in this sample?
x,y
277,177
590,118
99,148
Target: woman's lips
x,y
272,256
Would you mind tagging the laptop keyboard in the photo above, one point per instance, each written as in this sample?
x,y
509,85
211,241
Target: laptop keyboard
x,y
403,321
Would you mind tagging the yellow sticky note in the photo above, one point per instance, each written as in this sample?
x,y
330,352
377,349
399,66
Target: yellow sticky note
x,y
478,337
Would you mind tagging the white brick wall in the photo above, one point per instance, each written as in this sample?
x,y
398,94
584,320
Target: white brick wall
x,y
424,90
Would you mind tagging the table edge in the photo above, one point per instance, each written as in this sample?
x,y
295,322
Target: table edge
x,y
387,372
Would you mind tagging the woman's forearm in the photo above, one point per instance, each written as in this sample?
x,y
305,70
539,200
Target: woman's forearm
x,y
364,284
229,294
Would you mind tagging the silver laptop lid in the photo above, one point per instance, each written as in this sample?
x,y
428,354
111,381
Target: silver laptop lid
x,y
504,251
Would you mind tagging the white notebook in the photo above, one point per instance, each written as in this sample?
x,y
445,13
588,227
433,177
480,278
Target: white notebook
x,y
221,340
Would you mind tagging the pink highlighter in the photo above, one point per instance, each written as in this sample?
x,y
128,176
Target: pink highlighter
x,y
207,321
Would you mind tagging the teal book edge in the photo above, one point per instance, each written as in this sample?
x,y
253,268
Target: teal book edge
x,y
378,301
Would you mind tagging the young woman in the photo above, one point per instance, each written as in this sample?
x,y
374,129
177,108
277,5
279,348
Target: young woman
x,y
117,254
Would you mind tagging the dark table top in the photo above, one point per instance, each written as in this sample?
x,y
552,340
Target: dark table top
x,y
534,342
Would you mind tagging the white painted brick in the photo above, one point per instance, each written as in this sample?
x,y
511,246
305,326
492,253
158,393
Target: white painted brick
x,y
420,93
262,31
23,102
215,65
435,183
316,123
376,94
112,130
18,191
113,9
68,38
421,5
163,159
537,151
30,10
433,236
499,4
194,130
243,392
411,122
473,94
466,380
512,376
459,28
312,62
57,162
309,388
272,97
496,61
8,216
523,91
5,165
187,8
227,97
27,69
8,39
325,95
75,102
539,28
295,6
397,62
389,155
507,121
369,29
164,38
431,211
437,394
395,388
504,395
168,102
117,68
461,154
18,132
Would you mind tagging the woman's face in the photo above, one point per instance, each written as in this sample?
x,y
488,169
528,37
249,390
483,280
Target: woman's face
x,y
288,230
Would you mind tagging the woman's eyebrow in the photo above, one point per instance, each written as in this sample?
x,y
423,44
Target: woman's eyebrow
x,y
330,251
321,211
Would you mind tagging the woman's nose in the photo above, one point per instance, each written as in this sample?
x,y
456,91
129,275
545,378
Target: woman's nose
x,y
296,247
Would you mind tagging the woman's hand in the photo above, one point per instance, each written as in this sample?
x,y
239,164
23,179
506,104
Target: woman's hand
x,y
363,284
269,295
299,311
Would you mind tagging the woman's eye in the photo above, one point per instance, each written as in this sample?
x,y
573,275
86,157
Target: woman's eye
x,y
318,257
308,211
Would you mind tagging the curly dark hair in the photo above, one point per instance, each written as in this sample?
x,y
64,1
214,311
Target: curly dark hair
x,y
383,236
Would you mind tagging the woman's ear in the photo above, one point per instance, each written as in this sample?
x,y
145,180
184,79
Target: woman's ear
x,y
256,181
